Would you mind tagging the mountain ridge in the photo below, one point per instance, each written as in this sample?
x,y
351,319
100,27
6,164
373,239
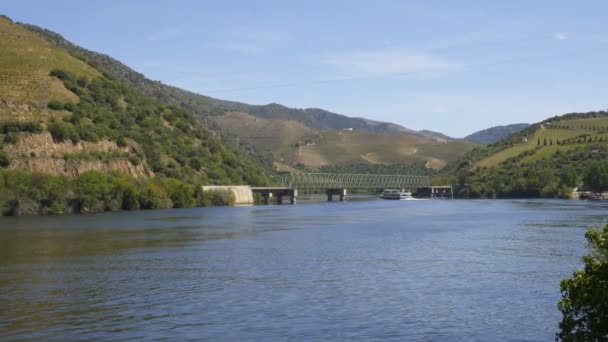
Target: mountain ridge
x,y
496,133
204,106
371,142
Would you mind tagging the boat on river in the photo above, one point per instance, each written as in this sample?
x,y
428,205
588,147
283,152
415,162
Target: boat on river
x,y
396,194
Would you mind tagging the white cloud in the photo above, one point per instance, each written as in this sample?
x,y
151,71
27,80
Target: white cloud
x,y
252,41
387,62
166,33
560,36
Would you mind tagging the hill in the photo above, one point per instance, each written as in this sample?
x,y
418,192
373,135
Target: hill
x,y
203,106
277,133
99,139
494,134
437,135
546,159
293,143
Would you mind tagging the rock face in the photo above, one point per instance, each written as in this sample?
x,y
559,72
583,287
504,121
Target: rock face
x,y
39,153
43,145
14,109
73,168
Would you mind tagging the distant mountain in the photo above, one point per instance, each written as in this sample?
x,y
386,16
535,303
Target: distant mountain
x,y
311,137
434,134
204,106
494,134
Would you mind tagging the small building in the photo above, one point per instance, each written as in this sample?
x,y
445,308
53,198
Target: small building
x,y
524,139
444,192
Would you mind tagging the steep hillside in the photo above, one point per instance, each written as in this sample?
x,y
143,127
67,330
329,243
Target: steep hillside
x,y
203,106
25,65
293,143
276,132
494,134
437,135
65,118
545,159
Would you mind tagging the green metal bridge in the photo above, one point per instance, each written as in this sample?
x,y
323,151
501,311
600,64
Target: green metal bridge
x,y
313,181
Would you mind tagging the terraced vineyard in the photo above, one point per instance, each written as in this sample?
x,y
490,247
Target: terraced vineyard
x,y
546,159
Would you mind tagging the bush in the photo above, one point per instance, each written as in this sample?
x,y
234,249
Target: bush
x,y
11,138
215,198
69,106
91,188
4,159
55,105
152,198
584,303
62,131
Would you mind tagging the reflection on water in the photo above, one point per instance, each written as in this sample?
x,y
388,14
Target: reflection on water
x,y
431,270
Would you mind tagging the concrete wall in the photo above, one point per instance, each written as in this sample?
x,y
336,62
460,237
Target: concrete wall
x,y
242,193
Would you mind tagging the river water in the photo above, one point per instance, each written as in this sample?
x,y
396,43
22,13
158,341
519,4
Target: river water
x,y
360,270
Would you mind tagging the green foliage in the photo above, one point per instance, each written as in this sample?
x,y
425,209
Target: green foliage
x,y
550,176
91,189
387,169
152,197
174,143
584,303
55,105
181,194
7,127
4,159
62,131
596,176
569,177
212,198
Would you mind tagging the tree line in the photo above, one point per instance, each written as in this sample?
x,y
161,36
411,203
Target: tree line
x,y
24,193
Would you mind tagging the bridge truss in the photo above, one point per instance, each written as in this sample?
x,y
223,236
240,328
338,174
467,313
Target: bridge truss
x,y
311,181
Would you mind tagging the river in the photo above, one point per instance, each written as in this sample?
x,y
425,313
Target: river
x,y
359,270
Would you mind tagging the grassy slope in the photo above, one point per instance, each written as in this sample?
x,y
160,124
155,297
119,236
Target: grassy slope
x,y
553,131
282,138
348,147
290,122
105,109
25,62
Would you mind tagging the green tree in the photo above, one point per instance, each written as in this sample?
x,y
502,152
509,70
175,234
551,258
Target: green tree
x,y
152,197
62,131
584,303
4,159
55,105
91,188
596,176
569,177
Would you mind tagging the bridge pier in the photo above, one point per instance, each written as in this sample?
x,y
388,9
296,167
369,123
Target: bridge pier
x,y
340,192
268,193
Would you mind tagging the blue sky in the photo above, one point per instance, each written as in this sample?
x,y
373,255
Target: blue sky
x,y
450,66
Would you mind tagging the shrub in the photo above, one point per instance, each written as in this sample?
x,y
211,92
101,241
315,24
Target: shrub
x,y
69,106
11,138
584,303
218,198
55,105
4,159
151,197
62,131
91,188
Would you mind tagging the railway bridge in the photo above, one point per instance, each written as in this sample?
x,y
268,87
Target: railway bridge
x,y
338,184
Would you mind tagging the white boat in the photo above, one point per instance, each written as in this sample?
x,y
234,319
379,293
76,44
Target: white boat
x,y
396,194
